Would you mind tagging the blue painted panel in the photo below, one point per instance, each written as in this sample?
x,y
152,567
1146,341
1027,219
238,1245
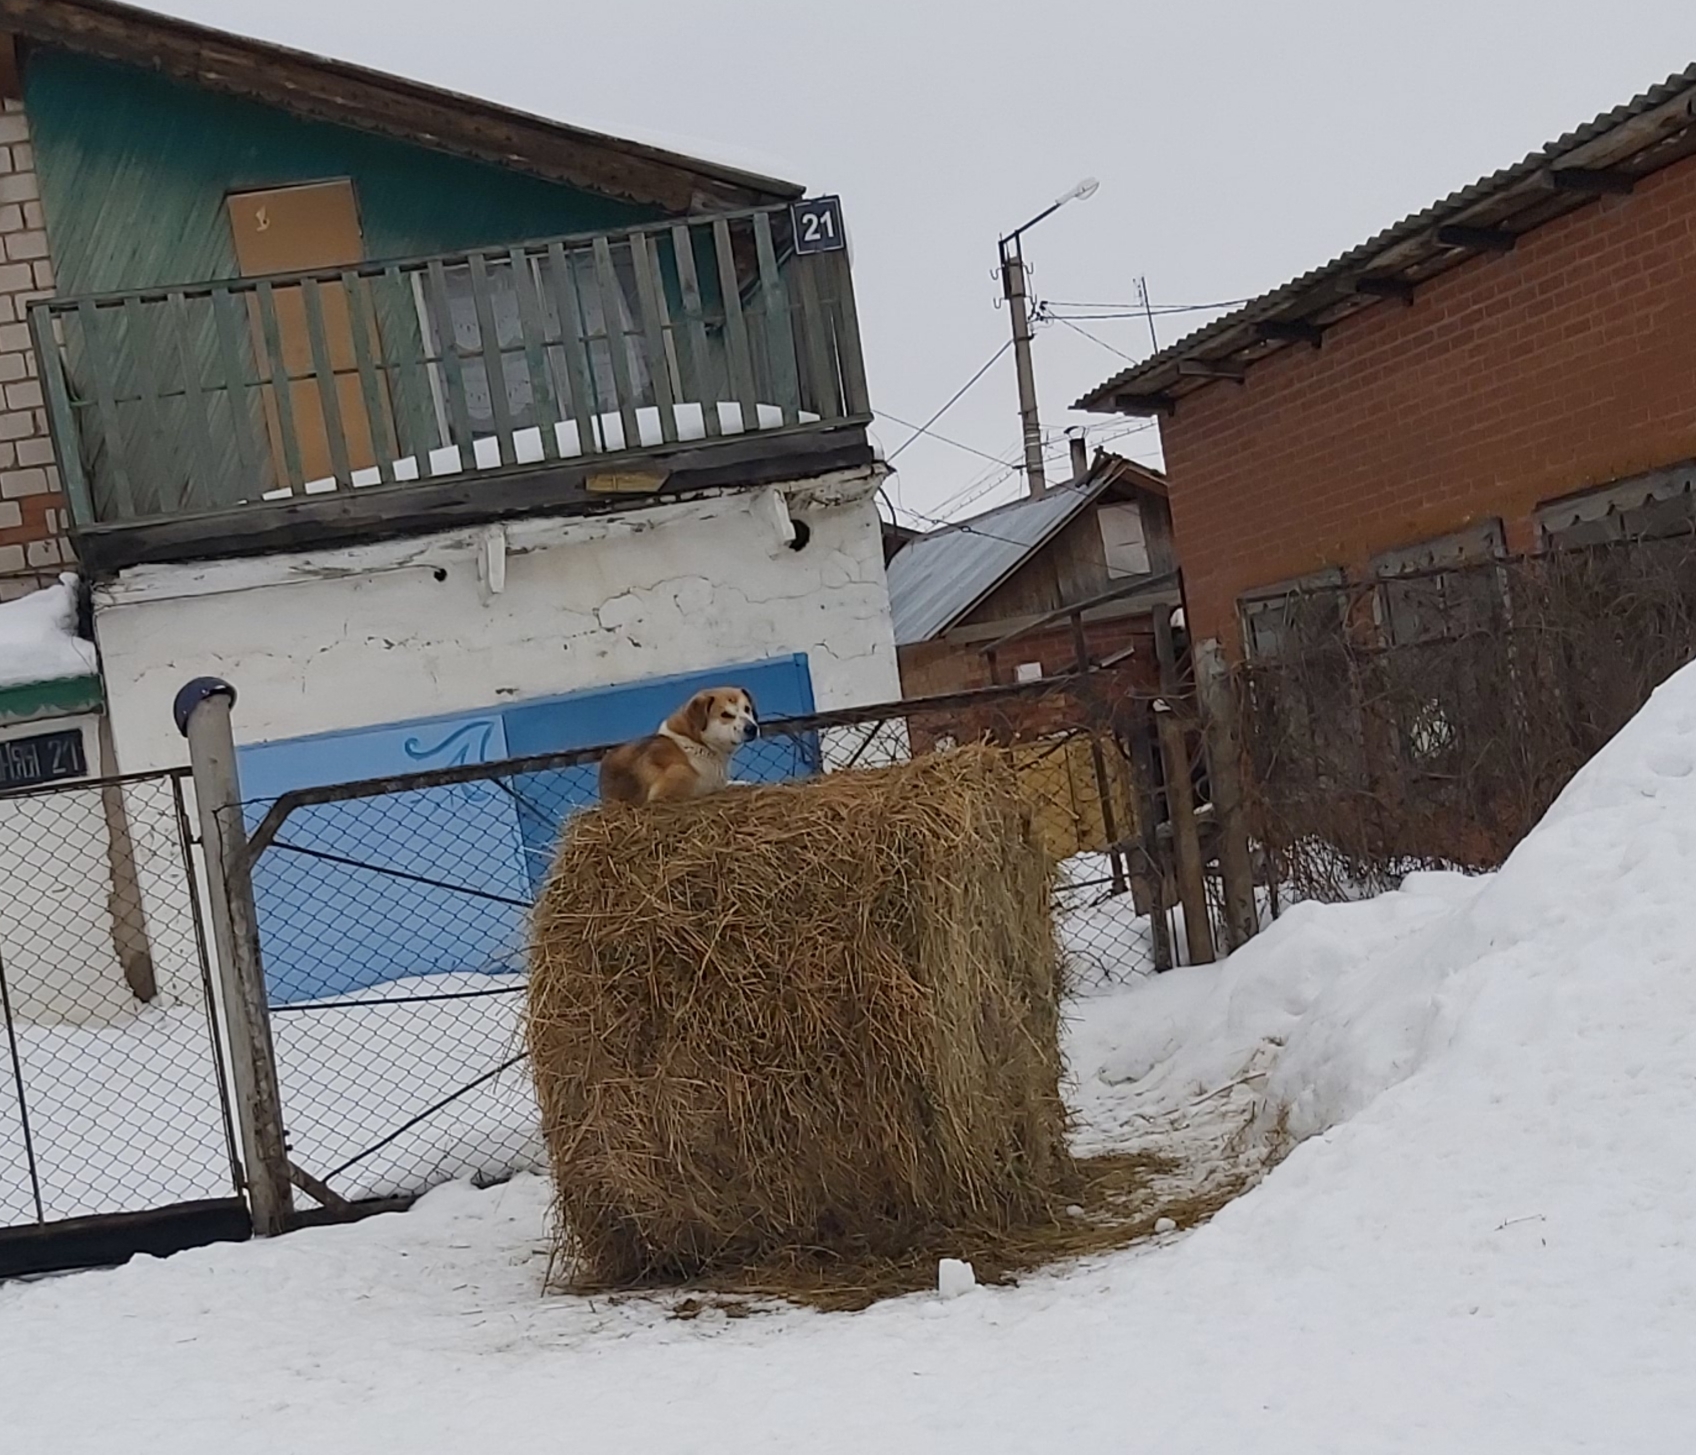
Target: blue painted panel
x,y
781,687
355,894
332,925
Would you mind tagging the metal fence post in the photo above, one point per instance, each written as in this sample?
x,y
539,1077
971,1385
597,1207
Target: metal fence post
x,y
202,712
1143,750
1225,774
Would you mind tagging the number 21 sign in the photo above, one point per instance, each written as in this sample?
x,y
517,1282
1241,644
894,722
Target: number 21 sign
x,y
818,225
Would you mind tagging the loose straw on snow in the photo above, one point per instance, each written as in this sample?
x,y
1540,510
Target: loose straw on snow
x,y
804,1035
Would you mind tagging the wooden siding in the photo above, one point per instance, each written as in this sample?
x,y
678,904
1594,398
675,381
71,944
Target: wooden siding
x,y
193,400
135,169
321,89
1073,566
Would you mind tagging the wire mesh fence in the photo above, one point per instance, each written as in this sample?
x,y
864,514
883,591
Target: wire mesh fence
x,y
1428,719
393,915
112,1098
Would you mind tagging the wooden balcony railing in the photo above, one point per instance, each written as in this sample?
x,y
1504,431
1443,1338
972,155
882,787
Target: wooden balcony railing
x,y
169,403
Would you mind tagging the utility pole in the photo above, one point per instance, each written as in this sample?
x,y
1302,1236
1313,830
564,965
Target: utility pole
x,y
1013,289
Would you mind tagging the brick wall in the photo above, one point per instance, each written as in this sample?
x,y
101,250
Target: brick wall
x,y
34,530
1513,379
929,669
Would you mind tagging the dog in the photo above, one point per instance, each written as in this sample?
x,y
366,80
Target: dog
x,y
690,754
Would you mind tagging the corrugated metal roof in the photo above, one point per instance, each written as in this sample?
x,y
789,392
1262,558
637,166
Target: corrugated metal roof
x,y
937,579
1649,132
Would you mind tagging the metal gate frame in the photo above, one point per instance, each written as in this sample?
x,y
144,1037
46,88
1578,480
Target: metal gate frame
x,y
158,1225
355,1160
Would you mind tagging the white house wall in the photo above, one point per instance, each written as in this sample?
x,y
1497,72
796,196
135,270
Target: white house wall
x,y
57,947
459,621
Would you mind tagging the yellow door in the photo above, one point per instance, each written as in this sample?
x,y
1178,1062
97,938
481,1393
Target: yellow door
x,y
295,229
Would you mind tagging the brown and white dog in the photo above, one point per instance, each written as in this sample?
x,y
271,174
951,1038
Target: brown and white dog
x,y
690,754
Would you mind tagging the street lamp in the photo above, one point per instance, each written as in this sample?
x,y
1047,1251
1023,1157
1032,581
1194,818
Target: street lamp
x,y
1013,288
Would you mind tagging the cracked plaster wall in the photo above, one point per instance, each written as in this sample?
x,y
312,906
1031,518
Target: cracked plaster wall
x,y
379,634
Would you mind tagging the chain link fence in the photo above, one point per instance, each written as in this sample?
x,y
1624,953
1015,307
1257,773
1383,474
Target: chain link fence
x,y
1427,719
112,1098
393,914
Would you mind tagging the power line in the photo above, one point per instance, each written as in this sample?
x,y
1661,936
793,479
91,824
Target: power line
x,y
988,481
1084,332
1056,449
1138,310
953,400
919,429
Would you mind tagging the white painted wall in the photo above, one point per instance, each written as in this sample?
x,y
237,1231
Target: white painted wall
x,y
56,942
366,635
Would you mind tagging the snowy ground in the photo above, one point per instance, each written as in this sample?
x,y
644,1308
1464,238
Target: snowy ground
x,y
401,1076
1484,1239
128,1117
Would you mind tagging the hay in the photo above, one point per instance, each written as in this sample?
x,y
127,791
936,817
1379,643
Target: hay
x,y
1118,1199
804,1027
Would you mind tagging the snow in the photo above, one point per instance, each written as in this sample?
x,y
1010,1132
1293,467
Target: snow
x,y
38,637
690,421
954,1276
1483,1237
353,1072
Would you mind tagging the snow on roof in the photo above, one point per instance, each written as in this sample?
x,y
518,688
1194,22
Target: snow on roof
x,y
38,637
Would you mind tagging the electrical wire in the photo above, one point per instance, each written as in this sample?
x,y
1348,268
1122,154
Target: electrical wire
x,y
953,400
1085,333
1138,310
932,434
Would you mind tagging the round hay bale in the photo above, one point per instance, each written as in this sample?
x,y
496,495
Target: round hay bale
x,y
818,1018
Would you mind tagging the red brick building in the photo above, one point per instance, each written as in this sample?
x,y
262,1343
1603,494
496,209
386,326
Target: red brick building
x,y
1512,368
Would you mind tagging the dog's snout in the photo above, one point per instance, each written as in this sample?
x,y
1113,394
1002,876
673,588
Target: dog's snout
x,y
750,730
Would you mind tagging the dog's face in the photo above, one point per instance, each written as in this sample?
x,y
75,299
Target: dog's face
x,y
723,718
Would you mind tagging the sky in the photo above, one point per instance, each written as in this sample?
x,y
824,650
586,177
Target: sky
x,y
1238,143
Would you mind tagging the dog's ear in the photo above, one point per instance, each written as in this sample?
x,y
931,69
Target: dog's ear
x,y
698,712
749,697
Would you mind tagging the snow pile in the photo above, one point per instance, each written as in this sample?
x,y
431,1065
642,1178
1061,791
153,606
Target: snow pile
x,y
954,1277
38,637
1562,978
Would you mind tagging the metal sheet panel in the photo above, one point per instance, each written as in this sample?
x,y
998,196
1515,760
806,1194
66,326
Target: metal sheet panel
x,y
938,578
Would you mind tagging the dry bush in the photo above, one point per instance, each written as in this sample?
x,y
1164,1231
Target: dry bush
x,y
1375,749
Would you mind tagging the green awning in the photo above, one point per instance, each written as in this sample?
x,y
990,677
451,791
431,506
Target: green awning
x,y
65,697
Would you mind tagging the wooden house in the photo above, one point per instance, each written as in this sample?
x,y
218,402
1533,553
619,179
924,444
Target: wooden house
x,y
443,432
1012,594
1042,588
395,406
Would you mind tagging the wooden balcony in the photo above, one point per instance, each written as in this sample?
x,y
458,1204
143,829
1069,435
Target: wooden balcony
x,y
247,415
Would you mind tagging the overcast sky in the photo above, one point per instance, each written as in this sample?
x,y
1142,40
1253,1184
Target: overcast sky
x,y
1237,144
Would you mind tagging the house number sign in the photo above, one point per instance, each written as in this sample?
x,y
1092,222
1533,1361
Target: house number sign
x,y
45,758
818,225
